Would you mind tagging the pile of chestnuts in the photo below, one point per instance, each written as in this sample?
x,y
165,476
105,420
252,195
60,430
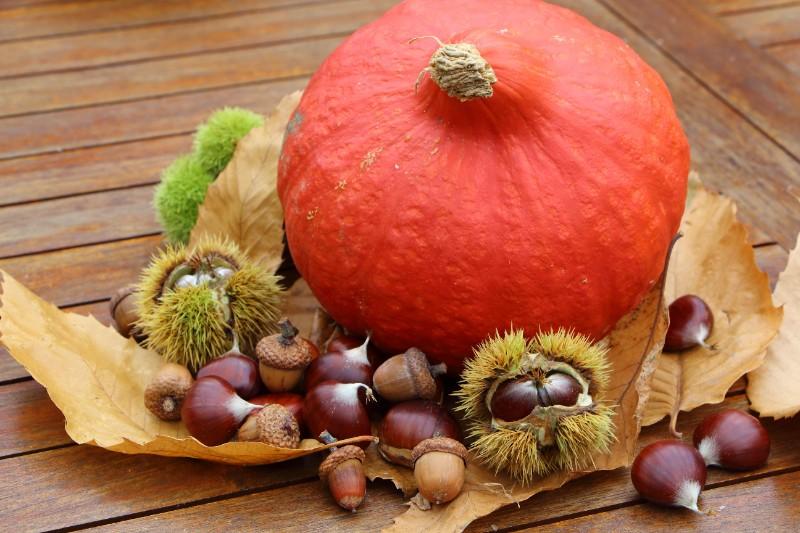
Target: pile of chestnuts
x,y
288,390
672,472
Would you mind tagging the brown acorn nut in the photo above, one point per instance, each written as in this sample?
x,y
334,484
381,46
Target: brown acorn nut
x,y
124,310
343,471
408,376
283,357
164,395
439,468
273,424
409,423
669,472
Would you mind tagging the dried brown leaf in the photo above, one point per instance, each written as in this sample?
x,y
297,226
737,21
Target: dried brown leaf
x,y
634,346
97,379
715,261
773,388
243,203
376,467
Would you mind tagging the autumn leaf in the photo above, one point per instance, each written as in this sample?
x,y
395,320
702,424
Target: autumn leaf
x,y
634,345
715,261
97,379
774,387
243,203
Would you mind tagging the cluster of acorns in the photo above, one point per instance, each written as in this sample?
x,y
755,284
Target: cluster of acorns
x,y
225,401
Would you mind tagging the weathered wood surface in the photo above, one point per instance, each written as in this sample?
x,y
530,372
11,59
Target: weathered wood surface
x,y
94,102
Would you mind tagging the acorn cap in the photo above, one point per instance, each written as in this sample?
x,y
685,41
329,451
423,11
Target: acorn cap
x,y
339,456
438,444
120,295
276,425
420,370
284,351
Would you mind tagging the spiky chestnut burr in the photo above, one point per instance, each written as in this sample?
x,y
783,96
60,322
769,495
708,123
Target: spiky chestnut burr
x,y
191,300
408,376
164,395
536,406
283,357
273,424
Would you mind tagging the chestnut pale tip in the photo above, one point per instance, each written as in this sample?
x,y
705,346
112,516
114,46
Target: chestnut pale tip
x,y
709,449
687,495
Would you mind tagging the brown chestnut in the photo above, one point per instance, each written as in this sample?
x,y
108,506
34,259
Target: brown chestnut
x,y
669,472
516,398
690,324
212,411
439,465
345,366
293,402
732,439
339,409
408,376
240,371
409,423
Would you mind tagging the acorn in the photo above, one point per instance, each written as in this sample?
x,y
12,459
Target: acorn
x,y
533,407
164,395
283,357
669,472
213,412
408,376
409,423
272,424
293,402
192,300
343,471
439,465
732,439
124,310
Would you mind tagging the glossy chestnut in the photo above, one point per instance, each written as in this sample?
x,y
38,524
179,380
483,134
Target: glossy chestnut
x,y
213,412
515,399
732,439
409,423
338,408
690,323
240,371
346,366
669,472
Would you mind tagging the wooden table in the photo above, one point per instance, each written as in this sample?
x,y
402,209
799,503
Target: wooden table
x,y
96,97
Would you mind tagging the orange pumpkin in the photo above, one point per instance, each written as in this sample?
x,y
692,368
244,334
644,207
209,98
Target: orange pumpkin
x,y
530,171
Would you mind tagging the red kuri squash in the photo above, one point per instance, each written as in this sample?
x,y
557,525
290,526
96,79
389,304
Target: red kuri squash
x,y
535,175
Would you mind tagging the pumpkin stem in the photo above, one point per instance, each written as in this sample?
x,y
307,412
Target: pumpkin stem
x,y
459,70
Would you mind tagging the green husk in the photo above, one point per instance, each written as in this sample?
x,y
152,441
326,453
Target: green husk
x,y
182,189
215,141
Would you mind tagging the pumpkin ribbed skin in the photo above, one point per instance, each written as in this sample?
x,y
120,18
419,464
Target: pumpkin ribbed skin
x,y
433,222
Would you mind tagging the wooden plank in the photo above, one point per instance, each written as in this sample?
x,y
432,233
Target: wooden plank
x,y
731,155
58,18
767,27
83,484
596,491
761,505
120,83
789,55
183,37
772,259
733,6
752,82
77,221
28,419
129,121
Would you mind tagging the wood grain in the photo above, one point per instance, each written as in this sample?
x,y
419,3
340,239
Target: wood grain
x,y
183,37
767,27
764,505
77,221
597,491
789,55
28,419
59,18
733,6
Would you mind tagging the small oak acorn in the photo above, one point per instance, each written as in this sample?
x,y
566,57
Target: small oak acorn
x,y
345,366
272,424
439,465
343,471
669,472
283,357
338,409
293,402
732,439
690,324
408,376
240,371
409,423
124,309
212,411
165,394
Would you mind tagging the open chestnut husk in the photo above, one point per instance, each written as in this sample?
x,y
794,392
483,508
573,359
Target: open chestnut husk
x,y
669,472
409,423
543,398
732,439
408,376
